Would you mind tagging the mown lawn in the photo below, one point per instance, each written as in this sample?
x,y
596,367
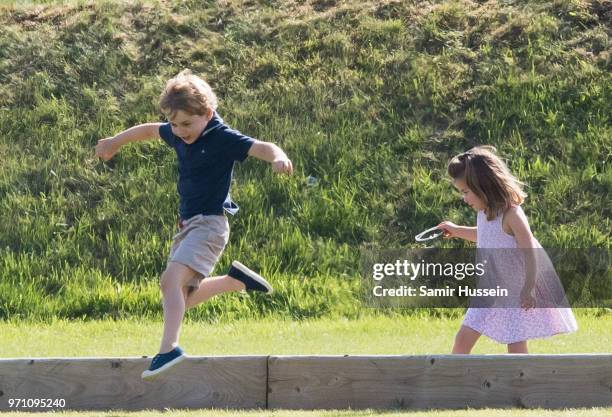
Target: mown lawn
x,y
369,335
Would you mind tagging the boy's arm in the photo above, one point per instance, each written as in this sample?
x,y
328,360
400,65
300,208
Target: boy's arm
x,y
269,152
108,147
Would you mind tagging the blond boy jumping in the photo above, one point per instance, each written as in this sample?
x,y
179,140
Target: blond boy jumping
x,y
206,149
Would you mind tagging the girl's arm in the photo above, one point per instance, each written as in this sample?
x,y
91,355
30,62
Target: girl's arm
x,y
519,227
462,232
108,147
269,152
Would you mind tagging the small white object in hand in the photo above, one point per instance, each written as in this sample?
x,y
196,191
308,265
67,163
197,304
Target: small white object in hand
x,y
422,237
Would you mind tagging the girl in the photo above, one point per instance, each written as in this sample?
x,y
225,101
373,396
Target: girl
x,y
496,195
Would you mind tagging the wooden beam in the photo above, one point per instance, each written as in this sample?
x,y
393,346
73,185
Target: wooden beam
x,y
440,381
314,382
113,383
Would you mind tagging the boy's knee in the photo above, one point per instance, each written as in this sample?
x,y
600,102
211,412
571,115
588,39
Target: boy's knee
x,y
175,276
168,281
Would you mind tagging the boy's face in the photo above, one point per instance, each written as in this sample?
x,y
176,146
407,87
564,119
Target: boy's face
x,y
469,197
187,126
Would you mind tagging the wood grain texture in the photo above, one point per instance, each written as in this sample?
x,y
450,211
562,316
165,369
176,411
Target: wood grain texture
x,y
112,383
440,381
315,382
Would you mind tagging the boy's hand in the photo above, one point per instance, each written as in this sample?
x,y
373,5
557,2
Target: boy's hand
x,y
272,154
282,166
107,148
449,229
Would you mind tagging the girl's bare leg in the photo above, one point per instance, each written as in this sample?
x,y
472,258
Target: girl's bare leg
x,y
465,340
518,347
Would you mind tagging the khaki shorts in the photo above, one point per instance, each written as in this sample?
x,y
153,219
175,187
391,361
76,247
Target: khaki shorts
x,y
199,244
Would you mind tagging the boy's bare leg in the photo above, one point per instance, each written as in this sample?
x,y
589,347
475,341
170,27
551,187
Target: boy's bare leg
x,y
174,279
210,287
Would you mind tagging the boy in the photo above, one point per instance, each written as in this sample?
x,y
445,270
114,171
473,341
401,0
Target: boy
x,y
206,149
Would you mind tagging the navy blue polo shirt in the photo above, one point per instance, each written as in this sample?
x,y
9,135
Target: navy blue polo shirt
x,y
205,167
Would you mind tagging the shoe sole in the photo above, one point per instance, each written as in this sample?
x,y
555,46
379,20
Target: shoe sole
x,y
150,374
261,280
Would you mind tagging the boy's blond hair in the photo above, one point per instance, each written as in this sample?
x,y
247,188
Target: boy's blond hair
x,y
489,178
189,93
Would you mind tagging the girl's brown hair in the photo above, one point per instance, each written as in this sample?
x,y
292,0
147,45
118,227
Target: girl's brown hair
x,y
189,93
489,178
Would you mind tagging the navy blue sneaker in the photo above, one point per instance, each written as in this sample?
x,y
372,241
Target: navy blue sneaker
x,y
163,361
251,280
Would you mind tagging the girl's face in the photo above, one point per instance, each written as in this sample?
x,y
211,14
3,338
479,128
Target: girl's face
x,y
468,195
187,126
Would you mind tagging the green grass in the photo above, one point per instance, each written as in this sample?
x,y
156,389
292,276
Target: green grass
x,y
372,98
372,335
593,412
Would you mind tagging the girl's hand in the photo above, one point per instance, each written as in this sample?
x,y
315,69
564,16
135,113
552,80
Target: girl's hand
x,y
449,229
282,166
107,148
527,299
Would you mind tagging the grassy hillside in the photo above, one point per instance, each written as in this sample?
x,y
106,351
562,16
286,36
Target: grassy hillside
x,y
372,98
